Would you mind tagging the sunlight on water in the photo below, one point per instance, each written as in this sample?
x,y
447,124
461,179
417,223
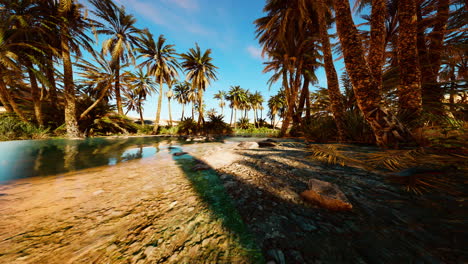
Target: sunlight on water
x,y
30,158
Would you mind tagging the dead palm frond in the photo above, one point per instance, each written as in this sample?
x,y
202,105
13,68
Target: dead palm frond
x,y
332,155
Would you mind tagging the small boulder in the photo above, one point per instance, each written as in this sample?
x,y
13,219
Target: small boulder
x,y
247,145
179,153
201,166
326,195
266,143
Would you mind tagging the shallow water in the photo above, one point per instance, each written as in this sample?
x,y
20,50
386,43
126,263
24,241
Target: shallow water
x,y
30,158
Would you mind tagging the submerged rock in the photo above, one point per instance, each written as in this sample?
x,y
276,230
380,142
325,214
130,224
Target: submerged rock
x,y
179,153
326,195
267,143
248,145
201,166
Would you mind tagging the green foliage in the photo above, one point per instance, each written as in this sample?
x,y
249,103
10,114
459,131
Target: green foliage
x,y
256,132
320,129
169,130
12,128
111,124
216,125
244,123
144,129
188,127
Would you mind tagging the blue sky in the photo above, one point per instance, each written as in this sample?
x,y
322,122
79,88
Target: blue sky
x,y
226,27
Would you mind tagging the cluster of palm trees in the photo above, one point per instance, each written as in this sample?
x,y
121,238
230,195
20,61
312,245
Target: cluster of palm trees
x,y
243,100
404,51
41,45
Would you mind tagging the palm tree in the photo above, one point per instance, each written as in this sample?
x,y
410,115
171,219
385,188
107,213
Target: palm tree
x,y
409,90
386,128
100,74
8,64
120,27
169,95
181,91
161,62
141,84
276,103
236,95
256,101
73,25
200,71
221,95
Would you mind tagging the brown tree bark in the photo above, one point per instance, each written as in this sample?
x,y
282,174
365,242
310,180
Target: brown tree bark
x,y
409,89
118,98
387,130
35,93
431,91
158,111
71,121
334,93
376,56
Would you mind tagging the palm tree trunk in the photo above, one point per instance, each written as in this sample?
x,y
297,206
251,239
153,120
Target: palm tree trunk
x,y
193,110
170,114
141,113
49,72
432,94
118,98
71,122
409,89
334,93
386,129
235,113
158,111
11,101
183,109
200,107
376,56
232,112
101,96
35,94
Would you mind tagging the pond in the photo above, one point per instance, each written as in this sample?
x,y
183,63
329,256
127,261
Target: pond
x,y
30,158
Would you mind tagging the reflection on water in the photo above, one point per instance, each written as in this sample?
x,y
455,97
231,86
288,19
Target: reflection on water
x,y
29,158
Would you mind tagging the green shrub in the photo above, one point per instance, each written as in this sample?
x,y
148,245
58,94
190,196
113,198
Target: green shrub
x,y
216,125
144,129
168,130
256,132
320,129
12,128
187,126
111,124
244,123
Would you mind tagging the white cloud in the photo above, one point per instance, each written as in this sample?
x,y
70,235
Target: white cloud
x,y
255,52
186,4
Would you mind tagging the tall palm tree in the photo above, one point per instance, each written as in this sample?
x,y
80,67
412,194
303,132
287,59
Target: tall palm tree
x,y
169,95
256,101
161,62
181,91
386,128
120,27
236,95
141,84
221,95
100,74
200,71
73,26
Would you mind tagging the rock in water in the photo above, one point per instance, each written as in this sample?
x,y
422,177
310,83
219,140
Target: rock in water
x,y
201,166
326,195
179,153
266,143
247,145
